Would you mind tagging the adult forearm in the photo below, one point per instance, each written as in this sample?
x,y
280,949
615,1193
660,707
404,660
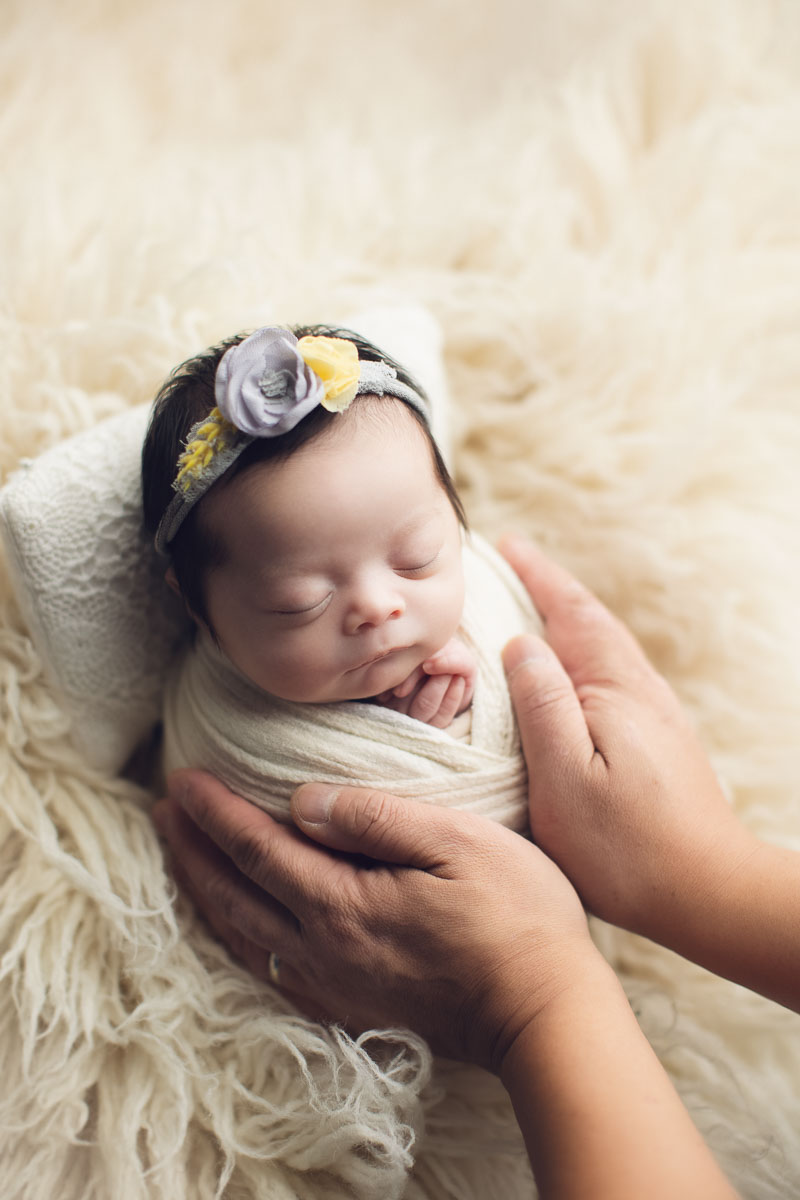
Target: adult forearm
x,y
746,927
599,1115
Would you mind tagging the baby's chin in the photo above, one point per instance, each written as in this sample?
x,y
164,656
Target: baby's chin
x,y
384,675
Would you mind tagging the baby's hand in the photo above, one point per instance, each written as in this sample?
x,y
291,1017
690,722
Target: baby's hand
x,y
439,689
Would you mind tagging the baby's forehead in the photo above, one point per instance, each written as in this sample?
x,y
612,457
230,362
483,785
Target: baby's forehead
x,y
374,422
386,414
288,490
388,420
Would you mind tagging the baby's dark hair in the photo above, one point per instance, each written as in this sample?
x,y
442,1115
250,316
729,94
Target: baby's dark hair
x,y
186,398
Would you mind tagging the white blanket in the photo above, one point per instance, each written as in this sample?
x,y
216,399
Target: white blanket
x,y
259,745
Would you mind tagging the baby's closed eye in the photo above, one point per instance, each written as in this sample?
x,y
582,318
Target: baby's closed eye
x,y
417,566
301,610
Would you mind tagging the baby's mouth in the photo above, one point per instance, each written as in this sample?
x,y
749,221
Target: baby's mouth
x,y
378,657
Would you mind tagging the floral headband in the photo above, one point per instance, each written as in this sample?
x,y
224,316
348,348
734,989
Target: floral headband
x,y
263,387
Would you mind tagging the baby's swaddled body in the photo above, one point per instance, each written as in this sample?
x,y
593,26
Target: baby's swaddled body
x,y
263,747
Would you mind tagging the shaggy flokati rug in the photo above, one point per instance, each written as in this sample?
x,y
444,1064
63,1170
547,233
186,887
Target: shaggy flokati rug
x,y
599,205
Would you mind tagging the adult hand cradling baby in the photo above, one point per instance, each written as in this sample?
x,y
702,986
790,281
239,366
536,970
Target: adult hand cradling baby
x,y
464,983
472,936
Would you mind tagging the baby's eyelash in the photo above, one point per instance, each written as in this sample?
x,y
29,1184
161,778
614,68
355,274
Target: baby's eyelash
x,y
422,567
300,612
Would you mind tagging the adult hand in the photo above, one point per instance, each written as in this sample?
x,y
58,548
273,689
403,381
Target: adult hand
x,y
624,799
420,934
468,934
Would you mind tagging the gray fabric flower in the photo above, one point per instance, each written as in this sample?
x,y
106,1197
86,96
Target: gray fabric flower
x,y
263,386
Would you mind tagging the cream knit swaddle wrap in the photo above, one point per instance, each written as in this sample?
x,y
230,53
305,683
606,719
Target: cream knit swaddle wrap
x,y
263,747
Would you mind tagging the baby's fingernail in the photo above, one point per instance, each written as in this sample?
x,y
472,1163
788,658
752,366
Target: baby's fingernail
x,y
313,802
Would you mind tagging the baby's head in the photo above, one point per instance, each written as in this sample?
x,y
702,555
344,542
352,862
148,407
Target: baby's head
x,y
323,555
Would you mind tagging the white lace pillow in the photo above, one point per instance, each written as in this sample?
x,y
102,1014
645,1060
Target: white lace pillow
x,y
87,579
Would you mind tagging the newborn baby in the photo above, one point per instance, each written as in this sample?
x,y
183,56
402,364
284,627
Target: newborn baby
x,y
320,548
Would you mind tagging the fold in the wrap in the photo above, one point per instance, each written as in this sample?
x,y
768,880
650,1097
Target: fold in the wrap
x,y
263,747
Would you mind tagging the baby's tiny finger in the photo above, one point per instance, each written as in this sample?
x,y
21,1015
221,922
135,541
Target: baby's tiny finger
x,y
399,706
452,703
407,686
429,698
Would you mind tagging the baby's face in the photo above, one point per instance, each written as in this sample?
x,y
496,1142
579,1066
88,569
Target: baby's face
x,y
343,564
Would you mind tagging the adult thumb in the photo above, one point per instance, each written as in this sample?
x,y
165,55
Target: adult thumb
x,y
549,714
374,823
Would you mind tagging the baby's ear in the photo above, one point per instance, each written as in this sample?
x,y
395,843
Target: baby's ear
x,y
172,581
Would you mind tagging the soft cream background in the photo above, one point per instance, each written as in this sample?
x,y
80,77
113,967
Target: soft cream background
x,y
598,202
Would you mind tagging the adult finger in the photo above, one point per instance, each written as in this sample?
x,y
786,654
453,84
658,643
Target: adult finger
x,y
389,829
243,914
274,857
551,720
590,642
255,925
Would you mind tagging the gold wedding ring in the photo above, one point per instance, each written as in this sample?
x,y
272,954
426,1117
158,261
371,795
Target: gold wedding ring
x,y
274,969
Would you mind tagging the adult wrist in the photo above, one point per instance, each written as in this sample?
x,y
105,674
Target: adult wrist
x,y
598,1113
699,915
579,969
747,929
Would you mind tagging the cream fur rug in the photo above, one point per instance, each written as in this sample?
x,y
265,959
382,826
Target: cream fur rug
x,y
599,203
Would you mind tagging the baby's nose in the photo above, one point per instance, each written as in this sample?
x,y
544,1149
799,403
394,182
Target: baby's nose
x,y
373,605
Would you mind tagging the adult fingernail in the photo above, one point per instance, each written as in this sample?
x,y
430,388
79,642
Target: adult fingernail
x,y
521,651
178,787
313,802
512,542
159,815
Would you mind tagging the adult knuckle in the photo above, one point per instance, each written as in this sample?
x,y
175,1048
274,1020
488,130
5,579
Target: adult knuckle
x,y
375,813
341,909
345,919
535,704
467,842
220,898
250,850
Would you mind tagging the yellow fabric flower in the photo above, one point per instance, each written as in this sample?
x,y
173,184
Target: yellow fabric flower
x,y
335,361
206,440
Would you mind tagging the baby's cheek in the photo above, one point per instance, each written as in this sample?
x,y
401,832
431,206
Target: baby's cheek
x,y
290,672
449,609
